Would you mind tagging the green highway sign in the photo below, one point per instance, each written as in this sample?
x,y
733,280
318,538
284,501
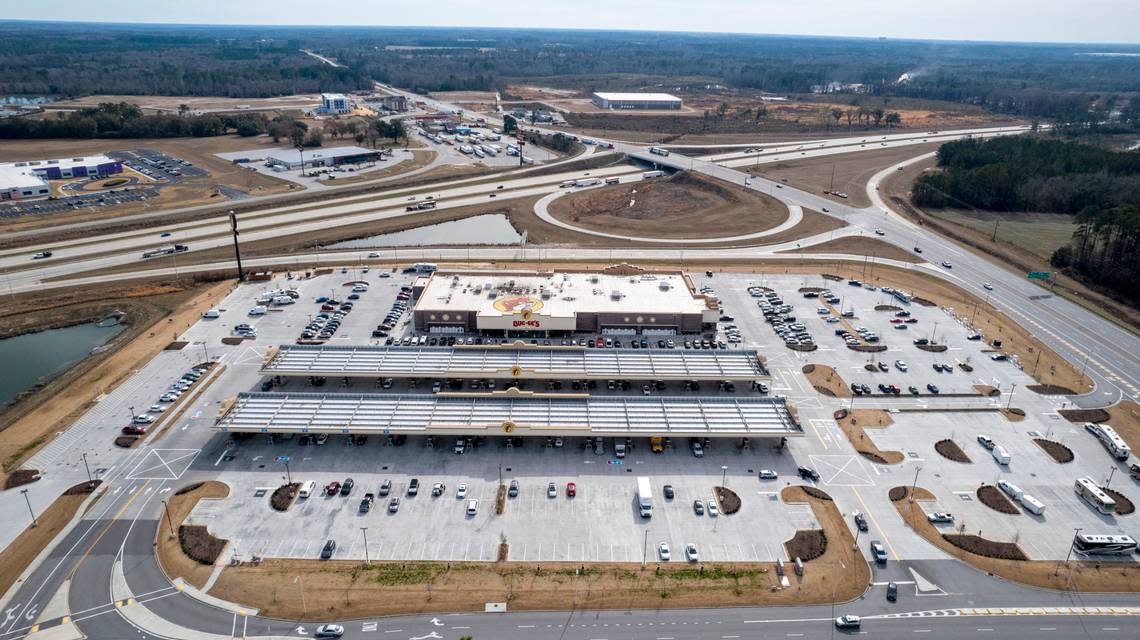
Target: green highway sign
x,y
1038,275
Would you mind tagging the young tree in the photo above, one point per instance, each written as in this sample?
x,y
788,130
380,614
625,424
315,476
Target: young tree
x,y
297,133
396,130
837,113
894,119
877,114
509,124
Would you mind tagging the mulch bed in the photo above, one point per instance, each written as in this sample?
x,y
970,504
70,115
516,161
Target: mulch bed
x,y
1124,506
828,276
1056,450
874,457
808,368
1085,415
83,488
870,367
818,494
867,348
188,488
965,367
231,340
933,348
809,289
21,477
199,544
951,451
803,347
502,555
987,548
840,414
500,500
284,496
887,307
175,346
897,493
1050,390
126,442
922,302
993,498
807,544
729,501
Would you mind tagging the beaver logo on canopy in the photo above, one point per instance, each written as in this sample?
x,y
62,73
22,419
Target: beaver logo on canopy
x,y
518,304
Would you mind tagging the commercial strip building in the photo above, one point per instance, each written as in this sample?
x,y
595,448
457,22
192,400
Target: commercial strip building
x,y
509,413
620,300
606,100
289,158
29,178
514,361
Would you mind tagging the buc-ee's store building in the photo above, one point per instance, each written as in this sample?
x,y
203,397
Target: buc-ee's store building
x,y
620,300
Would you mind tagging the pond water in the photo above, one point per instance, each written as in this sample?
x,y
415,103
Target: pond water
x,y
485,229
46,354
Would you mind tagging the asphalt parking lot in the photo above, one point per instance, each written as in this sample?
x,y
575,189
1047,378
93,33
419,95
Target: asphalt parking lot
x,y
600,523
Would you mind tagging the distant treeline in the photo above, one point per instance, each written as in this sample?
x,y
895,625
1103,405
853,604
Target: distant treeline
x,y
124,120
1105,250
1026,173
1056,82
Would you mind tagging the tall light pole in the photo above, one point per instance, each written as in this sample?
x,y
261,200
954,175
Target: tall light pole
x,y
29,501
914,485
723,474
86,467
237,251
166,510
1111,471
364,530
645,549
1076,532
1010,402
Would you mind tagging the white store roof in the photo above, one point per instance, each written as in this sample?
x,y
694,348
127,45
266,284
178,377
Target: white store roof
x,y
562,295
637,97
511,362
12,177
492,414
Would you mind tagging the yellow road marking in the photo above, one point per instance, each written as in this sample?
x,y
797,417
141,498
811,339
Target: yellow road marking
x,y
867,511
107,528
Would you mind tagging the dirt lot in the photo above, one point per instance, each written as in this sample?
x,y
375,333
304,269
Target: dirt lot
x,y
195,103
853,425
154,312
682,206
861,246
23,550
852,171
186,193
1078,576
170,555
896,190
351,589
826,380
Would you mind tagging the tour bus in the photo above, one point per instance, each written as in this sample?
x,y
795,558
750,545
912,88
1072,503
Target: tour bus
x,y
1110,439
1103,544
1088,489
425,267
658,151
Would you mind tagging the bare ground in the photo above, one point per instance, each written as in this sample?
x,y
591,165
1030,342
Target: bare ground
x,y
853,425
861,246
168,548
826,380
682,206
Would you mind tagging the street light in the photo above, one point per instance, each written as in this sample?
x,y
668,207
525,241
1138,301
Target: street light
x,y
29,501
914,486
166,510
1010,402
1111,471
86,467
723,474
364,530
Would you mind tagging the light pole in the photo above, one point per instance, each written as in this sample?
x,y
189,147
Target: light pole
x,y
645,549
29,501
169,525
86,467
934,333
914,485
1010,402
1076,532
723,474
301,150
1111,471
364,530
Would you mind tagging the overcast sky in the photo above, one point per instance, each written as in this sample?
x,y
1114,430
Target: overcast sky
x,y
1013,20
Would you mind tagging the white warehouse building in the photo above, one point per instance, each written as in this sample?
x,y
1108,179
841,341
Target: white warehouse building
x,y
636,101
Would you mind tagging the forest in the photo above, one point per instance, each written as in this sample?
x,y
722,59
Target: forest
x,y
1049,81
124,120
1101,188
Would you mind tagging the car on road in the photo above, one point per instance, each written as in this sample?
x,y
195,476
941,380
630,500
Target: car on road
x,y
987,286
698,507
880,232
918,249
986,442
860,521
134,430
767,474
848,622
807,473
551,490
328,549
41,255
892,591
663,551
329,631
946,263
669,492
878,552
156,408
691,552
394,504
940,516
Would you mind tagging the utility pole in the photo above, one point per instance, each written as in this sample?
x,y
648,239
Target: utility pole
x,y
364,530
237,251
166,510
1076,532
29,501
86,467
301,150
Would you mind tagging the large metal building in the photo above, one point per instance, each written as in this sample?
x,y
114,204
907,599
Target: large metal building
x,y
636,101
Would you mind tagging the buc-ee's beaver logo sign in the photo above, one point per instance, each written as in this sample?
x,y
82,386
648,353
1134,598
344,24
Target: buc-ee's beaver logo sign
x,y
519,304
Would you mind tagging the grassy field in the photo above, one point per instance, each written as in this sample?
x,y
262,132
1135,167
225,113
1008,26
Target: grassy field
x,y
1039,233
